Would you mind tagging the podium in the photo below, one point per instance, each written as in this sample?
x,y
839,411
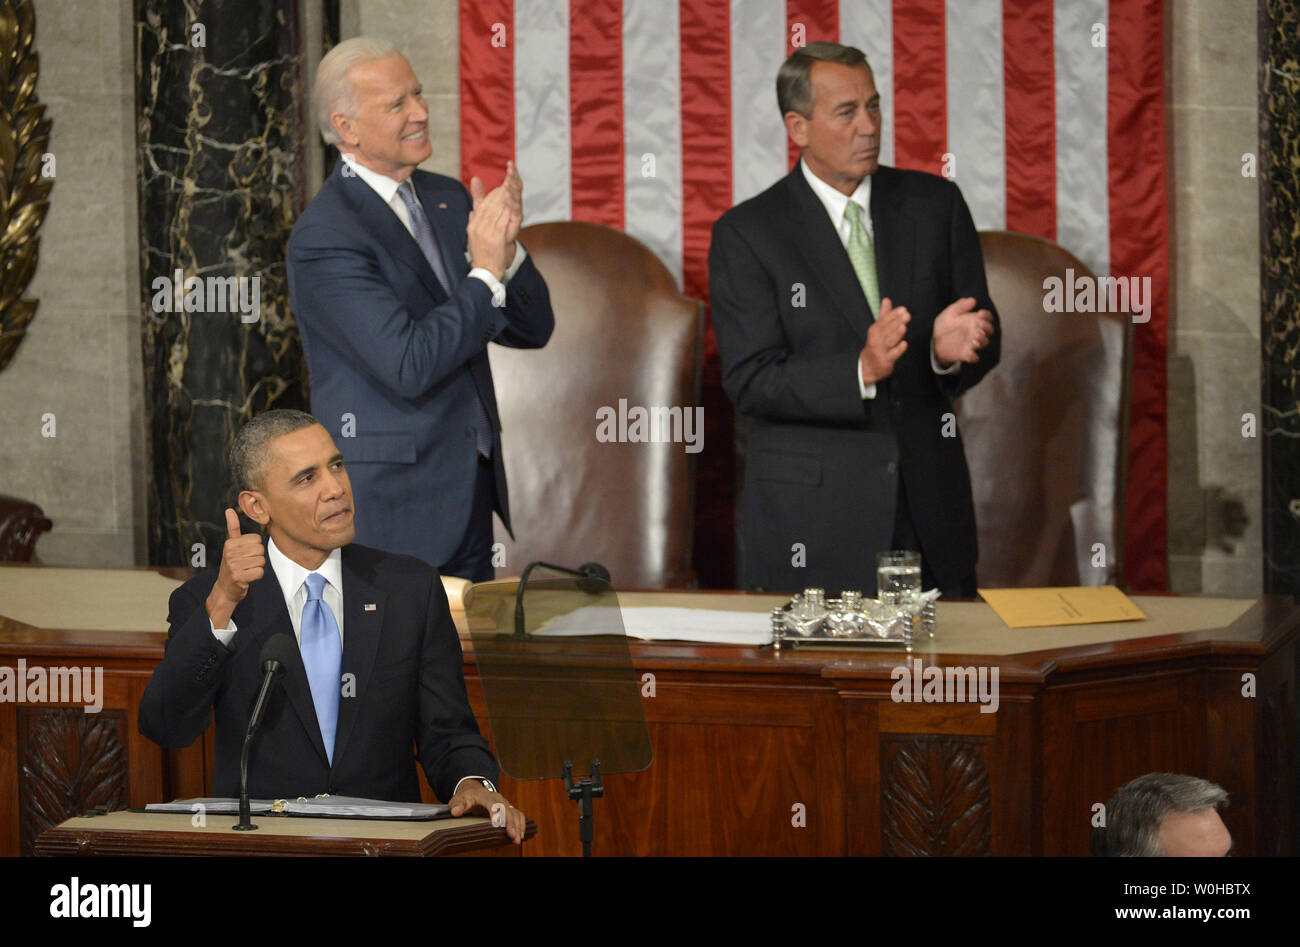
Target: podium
x,y
1083,709
156,833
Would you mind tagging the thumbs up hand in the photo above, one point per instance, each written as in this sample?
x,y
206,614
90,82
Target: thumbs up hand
x,y
243,560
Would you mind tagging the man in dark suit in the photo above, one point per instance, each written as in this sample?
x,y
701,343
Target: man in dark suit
x,y
377,671
850,308
399,279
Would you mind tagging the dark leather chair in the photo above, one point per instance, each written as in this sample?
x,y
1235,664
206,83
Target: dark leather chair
x,y
622,332
21,524
1046,431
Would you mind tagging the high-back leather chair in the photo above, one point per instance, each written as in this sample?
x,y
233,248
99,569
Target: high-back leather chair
x,y
21,524
623,333
1046,431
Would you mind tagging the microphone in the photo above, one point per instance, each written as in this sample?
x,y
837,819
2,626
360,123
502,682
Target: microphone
x,y
593,578
275,657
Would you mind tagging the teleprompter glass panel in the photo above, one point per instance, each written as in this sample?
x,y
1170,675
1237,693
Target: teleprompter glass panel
x,y
557,676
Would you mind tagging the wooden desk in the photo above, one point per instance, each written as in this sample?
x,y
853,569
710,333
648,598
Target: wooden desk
x,y
157,833
744,735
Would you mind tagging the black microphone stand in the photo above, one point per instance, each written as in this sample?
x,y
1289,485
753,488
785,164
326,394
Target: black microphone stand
x,y
271,669
245,809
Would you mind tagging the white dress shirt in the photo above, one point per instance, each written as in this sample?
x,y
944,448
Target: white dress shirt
x,y
293,585
386,188
835,202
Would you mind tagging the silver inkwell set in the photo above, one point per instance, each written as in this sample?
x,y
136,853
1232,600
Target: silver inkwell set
x,y
810,617
903,614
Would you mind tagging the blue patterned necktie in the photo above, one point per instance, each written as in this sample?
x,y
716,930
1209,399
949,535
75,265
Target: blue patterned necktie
x,y
322,656
424,233
428,246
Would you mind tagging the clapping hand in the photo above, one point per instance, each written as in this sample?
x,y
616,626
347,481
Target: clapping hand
x,y
495,221
885,343
960,331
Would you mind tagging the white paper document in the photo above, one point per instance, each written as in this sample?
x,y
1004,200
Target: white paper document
x,y
655,623
339,806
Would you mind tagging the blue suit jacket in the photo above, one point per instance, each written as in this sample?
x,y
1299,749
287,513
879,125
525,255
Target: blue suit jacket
x,y
396,365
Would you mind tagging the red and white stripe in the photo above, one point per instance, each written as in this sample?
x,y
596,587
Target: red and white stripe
x,y
655,117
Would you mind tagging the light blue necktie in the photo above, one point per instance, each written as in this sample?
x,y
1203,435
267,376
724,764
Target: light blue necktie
x,y
322,656
429,247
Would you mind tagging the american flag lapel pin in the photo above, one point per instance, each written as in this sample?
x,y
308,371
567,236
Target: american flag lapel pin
x,y
369,607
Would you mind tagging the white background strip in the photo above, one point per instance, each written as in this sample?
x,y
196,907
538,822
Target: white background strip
x,y
869,25
977,107
652,128
758,140
1082,188
542,108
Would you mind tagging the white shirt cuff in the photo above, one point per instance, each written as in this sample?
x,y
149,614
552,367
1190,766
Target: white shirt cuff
x,y
867,391
224,635
462,779
934,363
498,288
520,255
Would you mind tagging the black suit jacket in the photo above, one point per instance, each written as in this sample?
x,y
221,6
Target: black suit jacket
x,y
409,689
823,465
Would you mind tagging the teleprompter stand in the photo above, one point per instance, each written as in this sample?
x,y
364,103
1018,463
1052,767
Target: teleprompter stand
x,y
583,791
557,676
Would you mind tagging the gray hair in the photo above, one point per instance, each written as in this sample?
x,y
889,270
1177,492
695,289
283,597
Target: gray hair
x,y
250,450
1134,813
333,91
794,91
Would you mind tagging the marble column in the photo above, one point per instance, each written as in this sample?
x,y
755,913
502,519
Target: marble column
x,y
1279,193
220,127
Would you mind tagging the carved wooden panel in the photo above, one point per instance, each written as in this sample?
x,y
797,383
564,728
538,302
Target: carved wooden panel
x,y
935,795
69,762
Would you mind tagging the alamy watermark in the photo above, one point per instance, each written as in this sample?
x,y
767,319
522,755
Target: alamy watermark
x,y
233,294
88,899
918,684
52,685
1122,294
653,425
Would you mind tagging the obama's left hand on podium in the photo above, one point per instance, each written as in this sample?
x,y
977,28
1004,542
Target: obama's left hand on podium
x,y
474,796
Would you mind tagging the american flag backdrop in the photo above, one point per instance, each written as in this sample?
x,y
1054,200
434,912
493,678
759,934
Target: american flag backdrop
x,y
654,117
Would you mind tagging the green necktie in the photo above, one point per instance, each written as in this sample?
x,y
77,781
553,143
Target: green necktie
x,y
863,256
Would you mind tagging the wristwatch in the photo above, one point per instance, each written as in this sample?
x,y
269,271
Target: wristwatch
x,y
487,783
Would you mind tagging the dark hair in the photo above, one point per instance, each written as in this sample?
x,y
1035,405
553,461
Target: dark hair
x,y
794,91
248,453
1134,813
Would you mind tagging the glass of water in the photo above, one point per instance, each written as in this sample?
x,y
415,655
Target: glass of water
x,y
898,576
